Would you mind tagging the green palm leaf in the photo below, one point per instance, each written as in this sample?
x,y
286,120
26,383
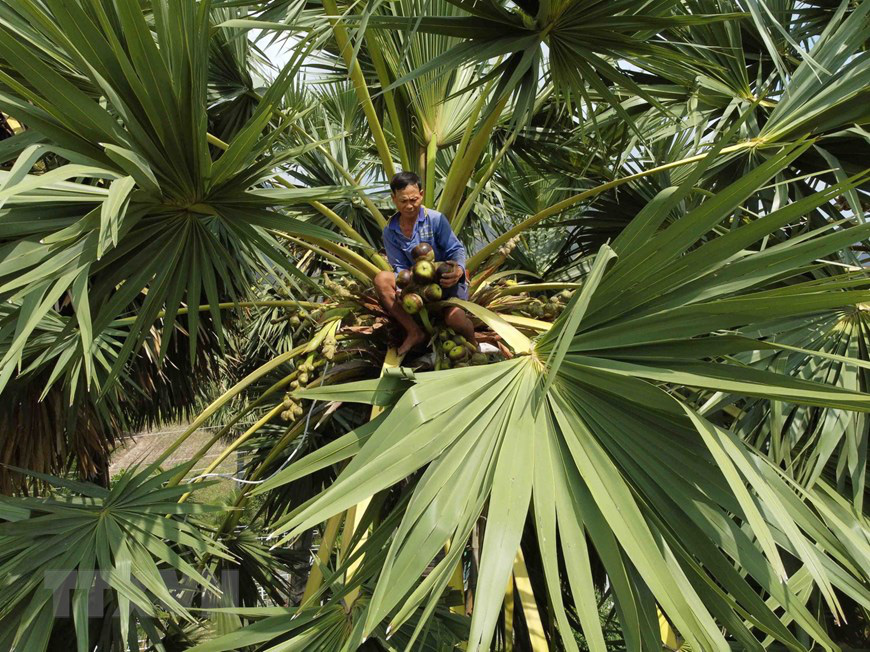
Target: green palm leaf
x,y
125,536
580,407
157,215
671,446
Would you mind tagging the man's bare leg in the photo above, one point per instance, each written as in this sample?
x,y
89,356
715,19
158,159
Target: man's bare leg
x,y
385,288
456,319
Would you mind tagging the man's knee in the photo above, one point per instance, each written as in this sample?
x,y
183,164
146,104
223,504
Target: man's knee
x,y
454,316
384,281
385,285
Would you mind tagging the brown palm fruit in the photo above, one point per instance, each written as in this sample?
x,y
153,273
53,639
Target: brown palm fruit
x,y
404,278
423,251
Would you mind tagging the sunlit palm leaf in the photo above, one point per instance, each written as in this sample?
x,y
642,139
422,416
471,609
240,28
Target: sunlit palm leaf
x,y
582,38
159,216
813,442
592,439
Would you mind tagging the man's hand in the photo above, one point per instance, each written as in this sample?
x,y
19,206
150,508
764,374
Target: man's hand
x,y
451,279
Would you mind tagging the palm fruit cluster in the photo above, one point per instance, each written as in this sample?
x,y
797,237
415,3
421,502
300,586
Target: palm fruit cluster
x,y
297,318
342,288
547,309
327,348
292,409
294,318
303,373
419,285
453,350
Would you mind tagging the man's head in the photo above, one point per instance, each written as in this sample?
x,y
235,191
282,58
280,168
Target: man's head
x,y
407,193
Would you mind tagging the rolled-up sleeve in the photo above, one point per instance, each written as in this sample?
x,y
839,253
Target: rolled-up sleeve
x,y
448,242
395,255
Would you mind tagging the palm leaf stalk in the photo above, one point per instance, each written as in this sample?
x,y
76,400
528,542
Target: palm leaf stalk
x,y
324,210
480,257
359,83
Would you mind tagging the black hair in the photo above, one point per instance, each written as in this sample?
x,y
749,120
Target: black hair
x,y
404,179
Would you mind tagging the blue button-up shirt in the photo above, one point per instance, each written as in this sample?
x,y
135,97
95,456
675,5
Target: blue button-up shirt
x,y
431,227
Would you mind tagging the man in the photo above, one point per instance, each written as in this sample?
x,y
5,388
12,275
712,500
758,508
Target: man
x,y
412,224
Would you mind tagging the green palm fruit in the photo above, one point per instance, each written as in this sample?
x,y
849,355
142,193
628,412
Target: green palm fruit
x,y
424,271
432,292
447,346
458,352
412,303
479,358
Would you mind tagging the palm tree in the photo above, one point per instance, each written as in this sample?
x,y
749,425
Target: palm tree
x,y
664,205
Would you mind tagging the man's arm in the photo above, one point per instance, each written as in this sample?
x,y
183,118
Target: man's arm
x,y
448,243
395,255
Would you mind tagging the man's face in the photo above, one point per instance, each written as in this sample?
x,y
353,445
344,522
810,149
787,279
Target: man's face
x,y
408,201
